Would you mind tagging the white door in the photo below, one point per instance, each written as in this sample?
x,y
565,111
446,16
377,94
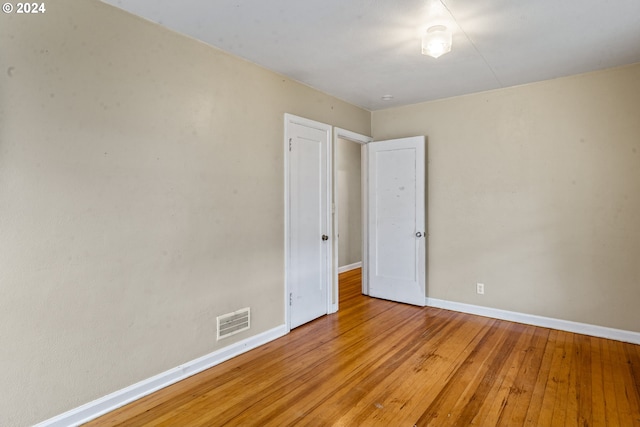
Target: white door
x,y
308,220
396,180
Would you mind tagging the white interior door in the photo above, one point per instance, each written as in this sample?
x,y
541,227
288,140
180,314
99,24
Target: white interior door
x,y
396,181
308,273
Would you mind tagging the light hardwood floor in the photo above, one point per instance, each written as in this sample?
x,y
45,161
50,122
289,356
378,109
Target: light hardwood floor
x,y
379,363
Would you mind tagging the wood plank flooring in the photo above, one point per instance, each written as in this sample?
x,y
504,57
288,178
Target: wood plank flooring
x,y
379,363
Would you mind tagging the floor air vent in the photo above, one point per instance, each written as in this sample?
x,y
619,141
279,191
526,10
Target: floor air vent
x,y
232,323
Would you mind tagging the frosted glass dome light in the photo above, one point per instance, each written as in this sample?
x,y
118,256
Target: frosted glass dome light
x,y
437,41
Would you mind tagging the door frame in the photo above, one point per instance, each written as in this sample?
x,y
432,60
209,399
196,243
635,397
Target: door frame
x,y
363,140
290,119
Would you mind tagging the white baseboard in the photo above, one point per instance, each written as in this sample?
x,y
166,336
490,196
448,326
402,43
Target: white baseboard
x,y
349,267
531,319
98,407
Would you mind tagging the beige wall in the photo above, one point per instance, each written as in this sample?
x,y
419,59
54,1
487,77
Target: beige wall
x,y
349,202
535,191
141,196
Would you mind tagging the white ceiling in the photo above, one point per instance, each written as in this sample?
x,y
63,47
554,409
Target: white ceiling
x,y
361,50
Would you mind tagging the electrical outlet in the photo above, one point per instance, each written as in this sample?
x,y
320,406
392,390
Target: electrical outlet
x,y
480,288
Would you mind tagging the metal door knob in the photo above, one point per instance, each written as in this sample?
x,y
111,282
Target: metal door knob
x,y
325,237
418,234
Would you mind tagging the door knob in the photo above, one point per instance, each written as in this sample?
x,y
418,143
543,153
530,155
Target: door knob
x,y
325,237
418,234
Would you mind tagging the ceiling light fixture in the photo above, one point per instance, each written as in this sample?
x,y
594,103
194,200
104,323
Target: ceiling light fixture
x,y
437,41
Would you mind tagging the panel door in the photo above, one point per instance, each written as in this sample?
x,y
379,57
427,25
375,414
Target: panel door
x,y
397,247
308,215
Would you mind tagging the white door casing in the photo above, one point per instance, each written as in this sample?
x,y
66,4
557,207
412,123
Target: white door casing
x,y
339,133
307,220
396,223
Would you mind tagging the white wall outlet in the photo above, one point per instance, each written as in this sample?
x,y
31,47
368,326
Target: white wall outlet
x,y
480,288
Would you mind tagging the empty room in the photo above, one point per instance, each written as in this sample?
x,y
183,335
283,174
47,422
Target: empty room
x,y
349,213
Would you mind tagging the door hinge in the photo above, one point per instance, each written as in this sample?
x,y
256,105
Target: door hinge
x,y
290,139
291,298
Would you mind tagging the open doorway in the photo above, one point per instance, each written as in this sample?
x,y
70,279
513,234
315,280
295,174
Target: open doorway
x,y
349,204
349,198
